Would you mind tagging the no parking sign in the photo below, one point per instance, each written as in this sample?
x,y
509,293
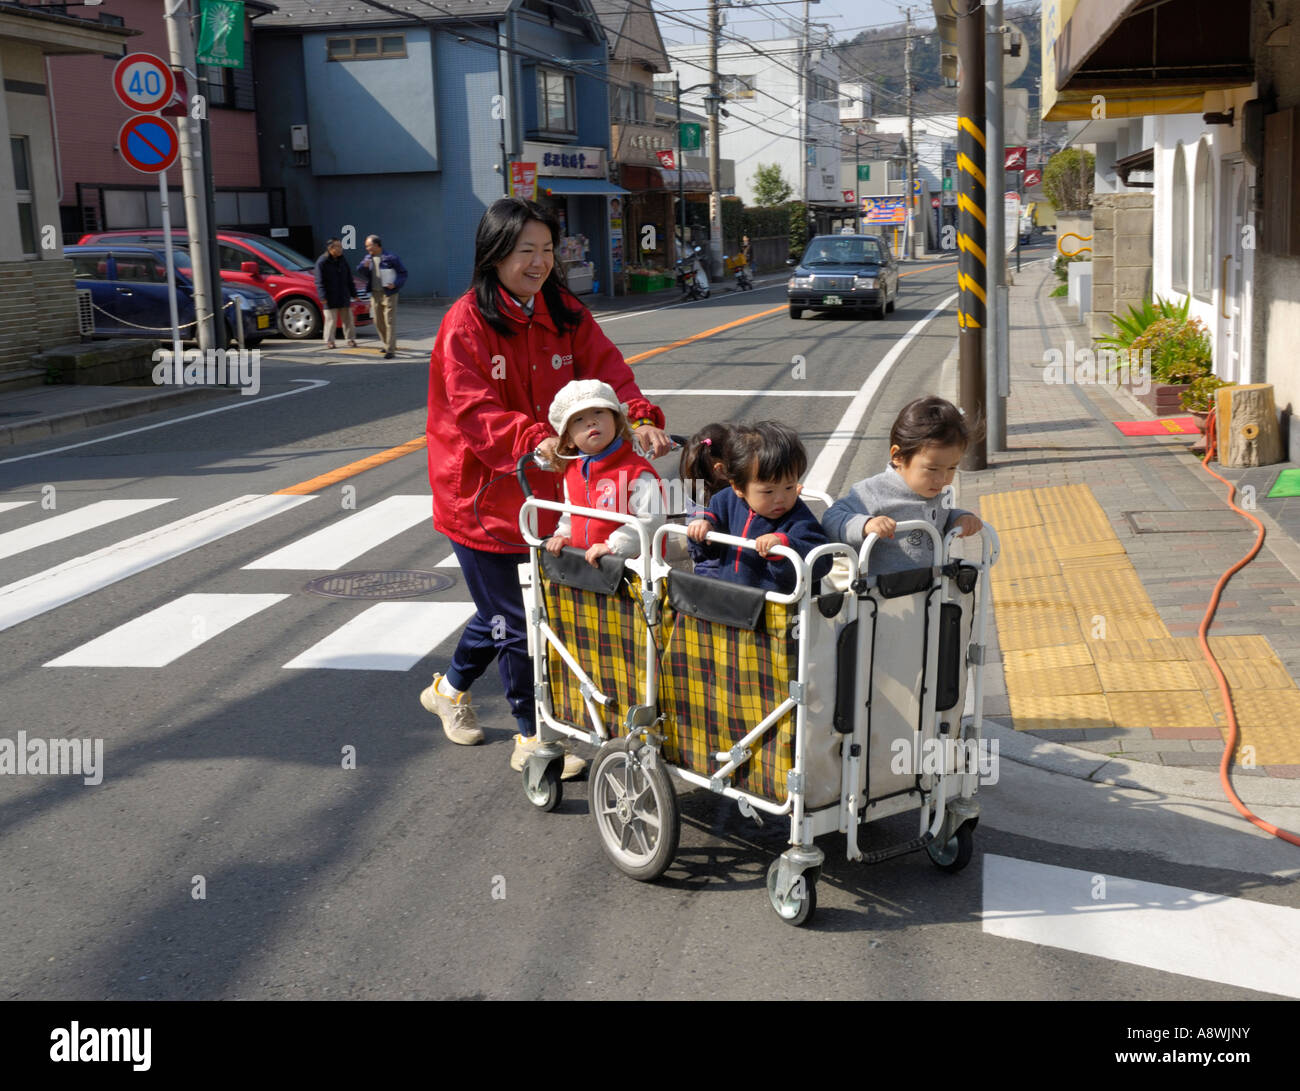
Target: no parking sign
x,y
148,143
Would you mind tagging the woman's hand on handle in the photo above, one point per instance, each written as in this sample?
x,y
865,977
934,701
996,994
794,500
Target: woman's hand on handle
x,y
546,452
652,439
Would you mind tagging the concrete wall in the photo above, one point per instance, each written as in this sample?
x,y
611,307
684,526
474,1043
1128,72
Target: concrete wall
x,y
1121,255
38,309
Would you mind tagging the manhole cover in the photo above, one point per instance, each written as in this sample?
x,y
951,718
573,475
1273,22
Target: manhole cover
x,y
1185,522
379,585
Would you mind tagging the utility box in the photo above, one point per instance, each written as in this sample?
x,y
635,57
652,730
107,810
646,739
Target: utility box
x,y
298,138
1080,282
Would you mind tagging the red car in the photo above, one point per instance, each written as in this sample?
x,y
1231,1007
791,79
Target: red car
x,y
262,263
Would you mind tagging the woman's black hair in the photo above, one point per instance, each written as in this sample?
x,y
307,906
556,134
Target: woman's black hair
x,y
702,450
497,235
766,451
930,421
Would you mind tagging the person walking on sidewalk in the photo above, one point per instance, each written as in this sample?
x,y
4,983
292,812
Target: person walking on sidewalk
x,y
385,273
337,290
502,353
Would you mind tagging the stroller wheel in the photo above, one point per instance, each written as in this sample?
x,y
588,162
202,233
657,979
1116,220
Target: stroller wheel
x,y
956,853
549,790
799,905
635,807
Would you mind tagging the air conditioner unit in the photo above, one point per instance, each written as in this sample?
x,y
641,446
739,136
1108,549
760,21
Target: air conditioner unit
x,y
85,312
298,138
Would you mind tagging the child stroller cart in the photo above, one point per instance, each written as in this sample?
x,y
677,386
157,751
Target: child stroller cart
x,y
831,709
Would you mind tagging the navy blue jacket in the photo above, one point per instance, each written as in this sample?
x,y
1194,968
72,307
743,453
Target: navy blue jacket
x,y
731,515
334,283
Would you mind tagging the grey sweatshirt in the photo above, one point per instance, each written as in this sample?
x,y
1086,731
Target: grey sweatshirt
x,y
887,494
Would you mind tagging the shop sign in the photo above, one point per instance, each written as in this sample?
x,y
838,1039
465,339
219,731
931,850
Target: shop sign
x,y
523,180
566,160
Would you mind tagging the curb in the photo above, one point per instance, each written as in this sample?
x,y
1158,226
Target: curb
x,y
1167,780
57,424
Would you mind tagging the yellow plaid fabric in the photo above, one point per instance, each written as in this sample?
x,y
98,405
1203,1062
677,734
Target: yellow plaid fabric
x,y
716,684
606,634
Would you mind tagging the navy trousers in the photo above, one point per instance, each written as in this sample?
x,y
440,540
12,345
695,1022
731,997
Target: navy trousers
x,y
497,631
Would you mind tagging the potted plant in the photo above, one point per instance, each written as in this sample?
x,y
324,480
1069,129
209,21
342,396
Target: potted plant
x,y
1198,397
1180,353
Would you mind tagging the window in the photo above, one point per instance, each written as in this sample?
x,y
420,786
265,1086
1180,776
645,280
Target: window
x,y
231,88
1178,229
821,89
90,266
23,195
140,268
629,104
366,47
1203,224
555,102
738,87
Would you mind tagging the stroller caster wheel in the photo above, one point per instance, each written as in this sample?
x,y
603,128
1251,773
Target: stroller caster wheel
x,y
544,788
955,854
797,905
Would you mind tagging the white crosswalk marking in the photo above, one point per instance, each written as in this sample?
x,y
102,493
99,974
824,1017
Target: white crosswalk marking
x,y
449,561
165,634
57,527
336,545
54,587
9,505
391,636
1170,928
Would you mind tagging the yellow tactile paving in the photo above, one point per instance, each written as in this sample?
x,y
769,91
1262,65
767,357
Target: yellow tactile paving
x,y
1227,647
1154,651
1083,646
1118,675
1054,681
1060,655
1170,708
1011,510
1082,710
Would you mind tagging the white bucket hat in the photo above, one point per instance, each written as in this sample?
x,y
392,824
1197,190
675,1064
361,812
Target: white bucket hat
x,y
581,394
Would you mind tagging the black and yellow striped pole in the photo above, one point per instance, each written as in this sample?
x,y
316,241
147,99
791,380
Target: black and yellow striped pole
x,y
972,223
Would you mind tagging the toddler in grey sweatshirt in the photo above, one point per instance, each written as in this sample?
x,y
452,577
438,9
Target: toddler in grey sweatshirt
x,y
927,442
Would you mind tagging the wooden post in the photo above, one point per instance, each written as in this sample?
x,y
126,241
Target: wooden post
x,y
1247,425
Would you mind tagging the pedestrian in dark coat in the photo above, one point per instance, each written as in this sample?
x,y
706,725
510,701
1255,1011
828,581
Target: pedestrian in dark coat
x,y
337,290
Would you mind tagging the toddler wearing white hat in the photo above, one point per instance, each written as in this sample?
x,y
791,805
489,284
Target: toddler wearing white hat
x,y
605,472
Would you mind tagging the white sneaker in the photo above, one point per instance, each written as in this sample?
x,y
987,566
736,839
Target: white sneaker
x,y
525,745
459,723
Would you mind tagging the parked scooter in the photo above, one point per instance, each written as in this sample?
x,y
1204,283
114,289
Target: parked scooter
x,y
691,277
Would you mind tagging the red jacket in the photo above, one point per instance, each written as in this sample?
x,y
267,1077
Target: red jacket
x,y
608,484
488,399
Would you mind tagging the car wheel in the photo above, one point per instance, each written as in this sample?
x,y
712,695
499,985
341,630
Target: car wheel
x,y
795,312
299,319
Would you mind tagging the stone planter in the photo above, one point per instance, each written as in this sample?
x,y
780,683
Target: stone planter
x,y
1164,399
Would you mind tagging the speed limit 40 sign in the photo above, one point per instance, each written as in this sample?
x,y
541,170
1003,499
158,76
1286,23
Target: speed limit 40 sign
x,y
143,82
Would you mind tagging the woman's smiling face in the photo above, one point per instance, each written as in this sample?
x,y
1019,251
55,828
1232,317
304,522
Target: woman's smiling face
x,y
524,270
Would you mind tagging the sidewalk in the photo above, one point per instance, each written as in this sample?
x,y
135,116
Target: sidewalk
x,y
1111,547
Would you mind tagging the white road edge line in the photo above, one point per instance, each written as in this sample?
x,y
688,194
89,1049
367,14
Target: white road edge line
x,y
845,433
241,404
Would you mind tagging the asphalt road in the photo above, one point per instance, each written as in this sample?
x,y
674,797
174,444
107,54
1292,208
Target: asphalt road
x,y
423,871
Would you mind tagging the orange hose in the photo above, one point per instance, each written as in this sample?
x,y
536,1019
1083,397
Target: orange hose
x,y
1225,763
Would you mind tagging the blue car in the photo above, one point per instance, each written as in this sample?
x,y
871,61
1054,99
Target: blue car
x,y
128,287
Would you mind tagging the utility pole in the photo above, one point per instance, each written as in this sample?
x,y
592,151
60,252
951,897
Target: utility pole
x,y
972,237
803,109
713,105
997,344
180,44
910,202
681,168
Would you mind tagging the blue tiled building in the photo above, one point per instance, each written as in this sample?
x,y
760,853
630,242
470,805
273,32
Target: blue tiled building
x,y
403,119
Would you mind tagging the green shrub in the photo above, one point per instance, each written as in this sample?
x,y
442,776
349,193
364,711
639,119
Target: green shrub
x,y
1180,350
1198,397
1138,319
1060,290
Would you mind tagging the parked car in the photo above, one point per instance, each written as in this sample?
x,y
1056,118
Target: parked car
x,y
844,272
128,287
262,263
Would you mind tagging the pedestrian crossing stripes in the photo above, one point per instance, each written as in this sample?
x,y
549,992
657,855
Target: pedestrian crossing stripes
x,y
9,505
163,635
1210,936
335,546
56,527
390,636
44,591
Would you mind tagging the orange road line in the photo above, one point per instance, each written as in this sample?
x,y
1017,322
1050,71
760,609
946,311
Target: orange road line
x,y
324,481
352,469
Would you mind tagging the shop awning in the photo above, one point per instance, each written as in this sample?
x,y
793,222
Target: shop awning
x,y
1143,162
1131,58
693,181
579,187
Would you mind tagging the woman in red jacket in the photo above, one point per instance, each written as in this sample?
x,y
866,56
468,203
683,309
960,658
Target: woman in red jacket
x,y
502,353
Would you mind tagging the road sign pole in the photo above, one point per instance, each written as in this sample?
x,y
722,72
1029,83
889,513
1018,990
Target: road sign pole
x,y
171,267
180,44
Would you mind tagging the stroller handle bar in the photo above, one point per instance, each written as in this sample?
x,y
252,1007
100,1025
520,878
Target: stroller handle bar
x,y
533,458
800,579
